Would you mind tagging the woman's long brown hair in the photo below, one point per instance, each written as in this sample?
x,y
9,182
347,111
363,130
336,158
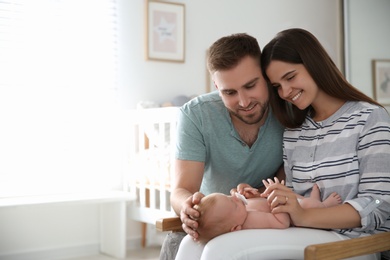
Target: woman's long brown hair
x,y
301,47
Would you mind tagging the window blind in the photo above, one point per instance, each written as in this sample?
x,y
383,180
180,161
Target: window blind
x,y
58,67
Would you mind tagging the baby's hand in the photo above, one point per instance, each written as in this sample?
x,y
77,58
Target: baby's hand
x,y
272,186
269,182
246,190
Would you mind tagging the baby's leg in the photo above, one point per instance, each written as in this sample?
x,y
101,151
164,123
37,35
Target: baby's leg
x,y
332,200
315,193
314,201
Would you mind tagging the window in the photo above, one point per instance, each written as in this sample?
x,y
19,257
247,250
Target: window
x,y
59,126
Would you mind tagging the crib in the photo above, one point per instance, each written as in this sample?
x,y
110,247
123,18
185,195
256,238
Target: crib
x,y
153,132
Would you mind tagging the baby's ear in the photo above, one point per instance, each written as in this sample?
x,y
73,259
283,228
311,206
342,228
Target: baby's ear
x,y
236,228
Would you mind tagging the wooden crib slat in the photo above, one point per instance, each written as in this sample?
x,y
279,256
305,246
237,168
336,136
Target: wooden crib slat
x,y
152,163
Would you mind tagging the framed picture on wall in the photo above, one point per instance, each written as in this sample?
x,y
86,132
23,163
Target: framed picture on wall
x,y
165,31
381,80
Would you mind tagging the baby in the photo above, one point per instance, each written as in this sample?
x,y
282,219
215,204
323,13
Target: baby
x,y
220,213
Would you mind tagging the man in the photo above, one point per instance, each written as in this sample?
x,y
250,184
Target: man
x,y
226,137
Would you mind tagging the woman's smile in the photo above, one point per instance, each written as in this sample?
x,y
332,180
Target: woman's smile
x,y
297,96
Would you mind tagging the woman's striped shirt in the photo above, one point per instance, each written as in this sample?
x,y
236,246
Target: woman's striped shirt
x,y
348,153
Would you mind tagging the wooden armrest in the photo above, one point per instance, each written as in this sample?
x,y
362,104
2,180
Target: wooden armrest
x,y
349,248
169,224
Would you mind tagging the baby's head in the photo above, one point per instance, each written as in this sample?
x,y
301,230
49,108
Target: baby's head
x,y
219,214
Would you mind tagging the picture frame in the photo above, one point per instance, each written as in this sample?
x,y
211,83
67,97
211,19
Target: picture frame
x,y
381,81
165,24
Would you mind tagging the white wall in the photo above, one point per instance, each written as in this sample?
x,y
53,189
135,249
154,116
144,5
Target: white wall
x,y
206,21
368,38
74,228
31,229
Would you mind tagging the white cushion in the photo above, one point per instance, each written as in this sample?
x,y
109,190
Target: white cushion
x,y
259,244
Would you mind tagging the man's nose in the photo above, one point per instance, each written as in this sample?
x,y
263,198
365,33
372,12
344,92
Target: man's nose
x,y
243,100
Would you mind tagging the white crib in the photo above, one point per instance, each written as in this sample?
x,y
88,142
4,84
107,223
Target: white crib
x,y
152,164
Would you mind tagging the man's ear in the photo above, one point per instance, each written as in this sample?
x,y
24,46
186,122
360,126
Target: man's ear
x,y
236,228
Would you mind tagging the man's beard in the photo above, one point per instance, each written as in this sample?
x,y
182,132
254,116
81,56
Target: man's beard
x,y
253,120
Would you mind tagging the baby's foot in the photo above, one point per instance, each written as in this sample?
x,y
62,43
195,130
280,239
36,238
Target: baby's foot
x,y
333,200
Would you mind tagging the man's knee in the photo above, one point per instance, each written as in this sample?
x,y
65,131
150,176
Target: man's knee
x,y
171,245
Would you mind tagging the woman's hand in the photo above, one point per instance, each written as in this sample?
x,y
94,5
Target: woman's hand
x,y
282,199
246,190
189,215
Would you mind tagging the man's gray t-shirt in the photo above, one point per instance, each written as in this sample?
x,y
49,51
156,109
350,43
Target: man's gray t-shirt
x,y
206,134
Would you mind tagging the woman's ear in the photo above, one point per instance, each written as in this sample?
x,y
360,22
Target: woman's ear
x,y
236,228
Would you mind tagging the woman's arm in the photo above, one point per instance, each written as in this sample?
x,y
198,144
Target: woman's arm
x,y
337,217
284,200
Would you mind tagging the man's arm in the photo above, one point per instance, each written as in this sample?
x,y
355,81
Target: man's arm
x,y
187,181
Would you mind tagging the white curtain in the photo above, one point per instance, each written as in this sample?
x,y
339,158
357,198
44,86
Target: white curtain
x,y
60,129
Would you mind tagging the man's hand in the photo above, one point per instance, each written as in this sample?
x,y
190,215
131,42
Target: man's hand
x,y
189,215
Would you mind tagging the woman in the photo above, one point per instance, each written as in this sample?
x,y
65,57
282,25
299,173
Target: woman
x,y
335,136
